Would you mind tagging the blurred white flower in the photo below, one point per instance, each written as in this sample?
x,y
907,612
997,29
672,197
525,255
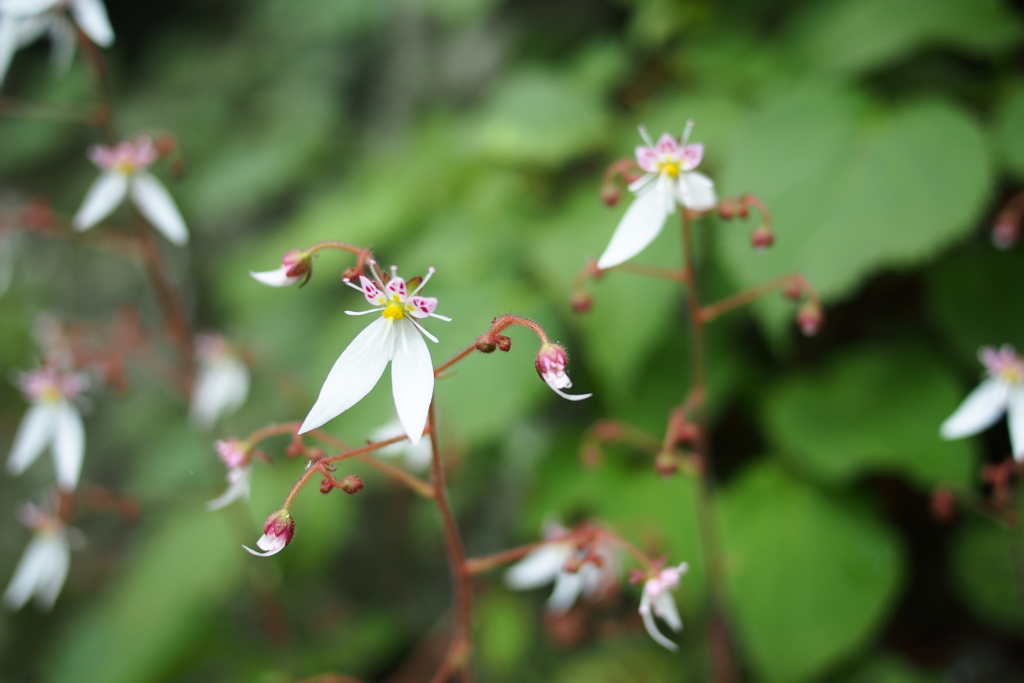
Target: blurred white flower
x,y
52,420
44,564
417,456
657,601
22,22
395,336
124,173
669,179
1002,392
222,381
236,454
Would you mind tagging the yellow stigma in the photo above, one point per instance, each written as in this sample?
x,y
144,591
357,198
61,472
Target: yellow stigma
x,y
394,311
50,394
669,168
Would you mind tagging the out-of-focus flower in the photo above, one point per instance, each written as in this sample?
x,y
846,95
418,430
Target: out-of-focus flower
x,y
1002,391
8,257
53,421
22,22
296,266
44,565
572,570
550,364
657,601
236,454
395,336
222,381
278,531
124,173
417,456
669,179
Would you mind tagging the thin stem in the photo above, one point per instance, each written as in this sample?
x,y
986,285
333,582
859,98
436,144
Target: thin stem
x,y
395,473
462,642
498,325
670,274
273,430
105,117
797,282
39,111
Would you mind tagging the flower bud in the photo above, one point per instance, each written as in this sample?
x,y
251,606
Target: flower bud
x,y
504,343
550,364
667,463
278,531
485,344
762,238
793,292
610,194
581,302
234,452
810,318
943,506
1005,233
352,484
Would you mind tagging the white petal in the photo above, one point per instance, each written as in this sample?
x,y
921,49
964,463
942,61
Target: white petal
x,y
568,586
639,226
68,446
275,278
652,628
64,40
56,571
665,607
156,205
8,42
103,197
696,191
91,16
41,572
268,553
539,567
1015,415
354,373
980,409
26,7
238,488
412,380
35,432
221,388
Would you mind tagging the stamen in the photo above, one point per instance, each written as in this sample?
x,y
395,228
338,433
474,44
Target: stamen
x,y
430,271
645,136
354,286
686,131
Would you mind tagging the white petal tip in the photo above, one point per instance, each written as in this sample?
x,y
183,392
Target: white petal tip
x,y
264,554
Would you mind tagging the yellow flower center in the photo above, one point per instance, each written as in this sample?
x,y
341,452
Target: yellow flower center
x,y
125,167
669,168
50,394
394,311
1012,374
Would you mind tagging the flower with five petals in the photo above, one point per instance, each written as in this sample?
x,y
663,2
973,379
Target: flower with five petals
x,y
669,179
396,336
1002,391
222,381
124,173
44,565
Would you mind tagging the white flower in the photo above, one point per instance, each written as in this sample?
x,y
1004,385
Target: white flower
x,y
395,336
657,601
669,179
278,531
296,266
44,565
124,173
417,456
550,364
1002,391
53,421
22,22
555,561
236,454
222,381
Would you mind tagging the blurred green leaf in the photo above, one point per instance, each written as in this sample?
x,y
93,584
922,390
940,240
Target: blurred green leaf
x,y
987,568
860,35
505,627
870,410
810,575
888,669
1009,130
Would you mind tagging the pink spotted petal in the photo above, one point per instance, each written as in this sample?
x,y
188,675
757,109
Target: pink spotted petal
x,y
396,287
423,306
692,156
667,144
647,158
371,291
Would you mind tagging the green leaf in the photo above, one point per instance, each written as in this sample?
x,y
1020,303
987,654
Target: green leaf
x,y
984,573
888,669
850,192
505,626
871,410
860,35
1009,130
810,575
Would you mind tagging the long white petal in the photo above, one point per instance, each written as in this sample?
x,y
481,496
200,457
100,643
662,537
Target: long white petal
x,y
568,586
639,226
412,380
91,16
8,42
26,7
275,278
26,576
665,607
696,191
32,28
68,446
1015,416
156,205
64,40
35,432
354,373
539,567
652,628
239,480
221,388
103,197
980,409
55,572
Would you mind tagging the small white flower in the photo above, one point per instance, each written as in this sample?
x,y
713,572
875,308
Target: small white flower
x,y
236,454
417,456
22,22
669,179
550,363
657,601
395,336
278,531
44,565
124,173
296,266
222,381
554,562
1002,392
53,421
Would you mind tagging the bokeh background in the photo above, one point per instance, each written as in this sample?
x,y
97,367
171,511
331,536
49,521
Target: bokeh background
x,y
471,135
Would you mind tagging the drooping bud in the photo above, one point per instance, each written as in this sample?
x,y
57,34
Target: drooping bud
x,y
793,291
550,364
610,194
485,343
762,237
504,343
296,266
943,506
810,318
351,484
581,302
667,463
1005,232
278,531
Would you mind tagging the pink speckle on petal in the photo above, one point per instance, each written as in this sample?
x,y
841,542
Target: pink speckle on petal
x,y
647,159
396,287
423,305
370,290
692,156
667,144
126,156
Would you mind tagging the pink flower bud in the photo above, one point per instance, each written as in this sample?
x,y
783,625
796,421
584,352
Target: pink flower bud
x,y
581,302
297,264
278,531
550,364
810,318
762,238
1005,233
351,484
234,452
610,194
